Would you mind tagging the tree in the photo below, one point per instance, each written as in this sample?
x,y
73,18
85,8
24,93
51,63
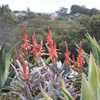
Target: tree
x,y
94,11
95,26
6,14
62,11
83,10
85,22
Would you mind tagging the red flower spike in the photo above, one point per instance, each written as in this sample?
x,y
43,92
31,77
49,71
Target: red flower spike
x,y
37,50
67,58
49,38
20,56
80,59
53,52
25,70
25,37
34,41
26,46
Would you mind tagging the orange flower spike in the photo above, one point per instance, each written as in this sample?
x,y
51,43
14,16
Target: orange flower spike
x,y
26,46
67,58
49,38
37,50
25,71
34,40
25,37
53,53
80,59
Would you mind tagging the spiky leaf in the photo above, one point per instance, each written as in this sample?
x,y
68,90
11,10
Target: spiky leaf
x,y
65,91
95,48
86,90
4,66
93,77
45,95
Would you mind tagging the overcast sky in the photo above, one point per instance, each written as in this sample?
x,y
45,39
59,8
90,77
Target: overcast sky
x,y
48,6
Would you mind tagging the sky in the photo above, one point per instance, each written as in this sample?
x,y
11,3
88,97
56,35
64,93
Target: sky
x,y
48,6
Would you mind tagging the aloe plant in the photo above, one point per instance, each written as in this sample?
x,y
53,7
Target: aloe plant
x,y
44,81
45,95
95,48
90,89
4,66
66,93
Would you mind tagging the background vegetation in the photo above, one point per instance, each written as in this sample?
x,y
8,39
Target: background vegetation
x,y
66,26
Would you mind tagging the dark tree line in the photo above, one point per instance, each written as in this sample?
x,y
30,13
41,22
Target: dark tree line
x,y
78,9
84,10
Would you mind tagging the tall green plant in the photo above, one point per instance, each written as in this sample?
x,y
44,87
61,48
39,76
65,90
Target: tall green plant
x,y
4,66
95,48
90,89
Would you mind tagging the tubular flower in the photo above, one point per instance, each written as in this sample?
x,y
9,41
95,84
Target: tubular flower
x,y
37,50
25,37
49,38
34,41
25,70
53,52
26,46
80,59
67,58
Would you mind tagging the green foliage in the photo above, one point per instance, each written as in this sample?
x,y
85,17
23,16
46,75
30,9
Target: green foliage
x,y
83,10
45,95
85,21
95,48
4,66
86,91
90,24
95,26
71,25
7,15
65,91
62,11
91,87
